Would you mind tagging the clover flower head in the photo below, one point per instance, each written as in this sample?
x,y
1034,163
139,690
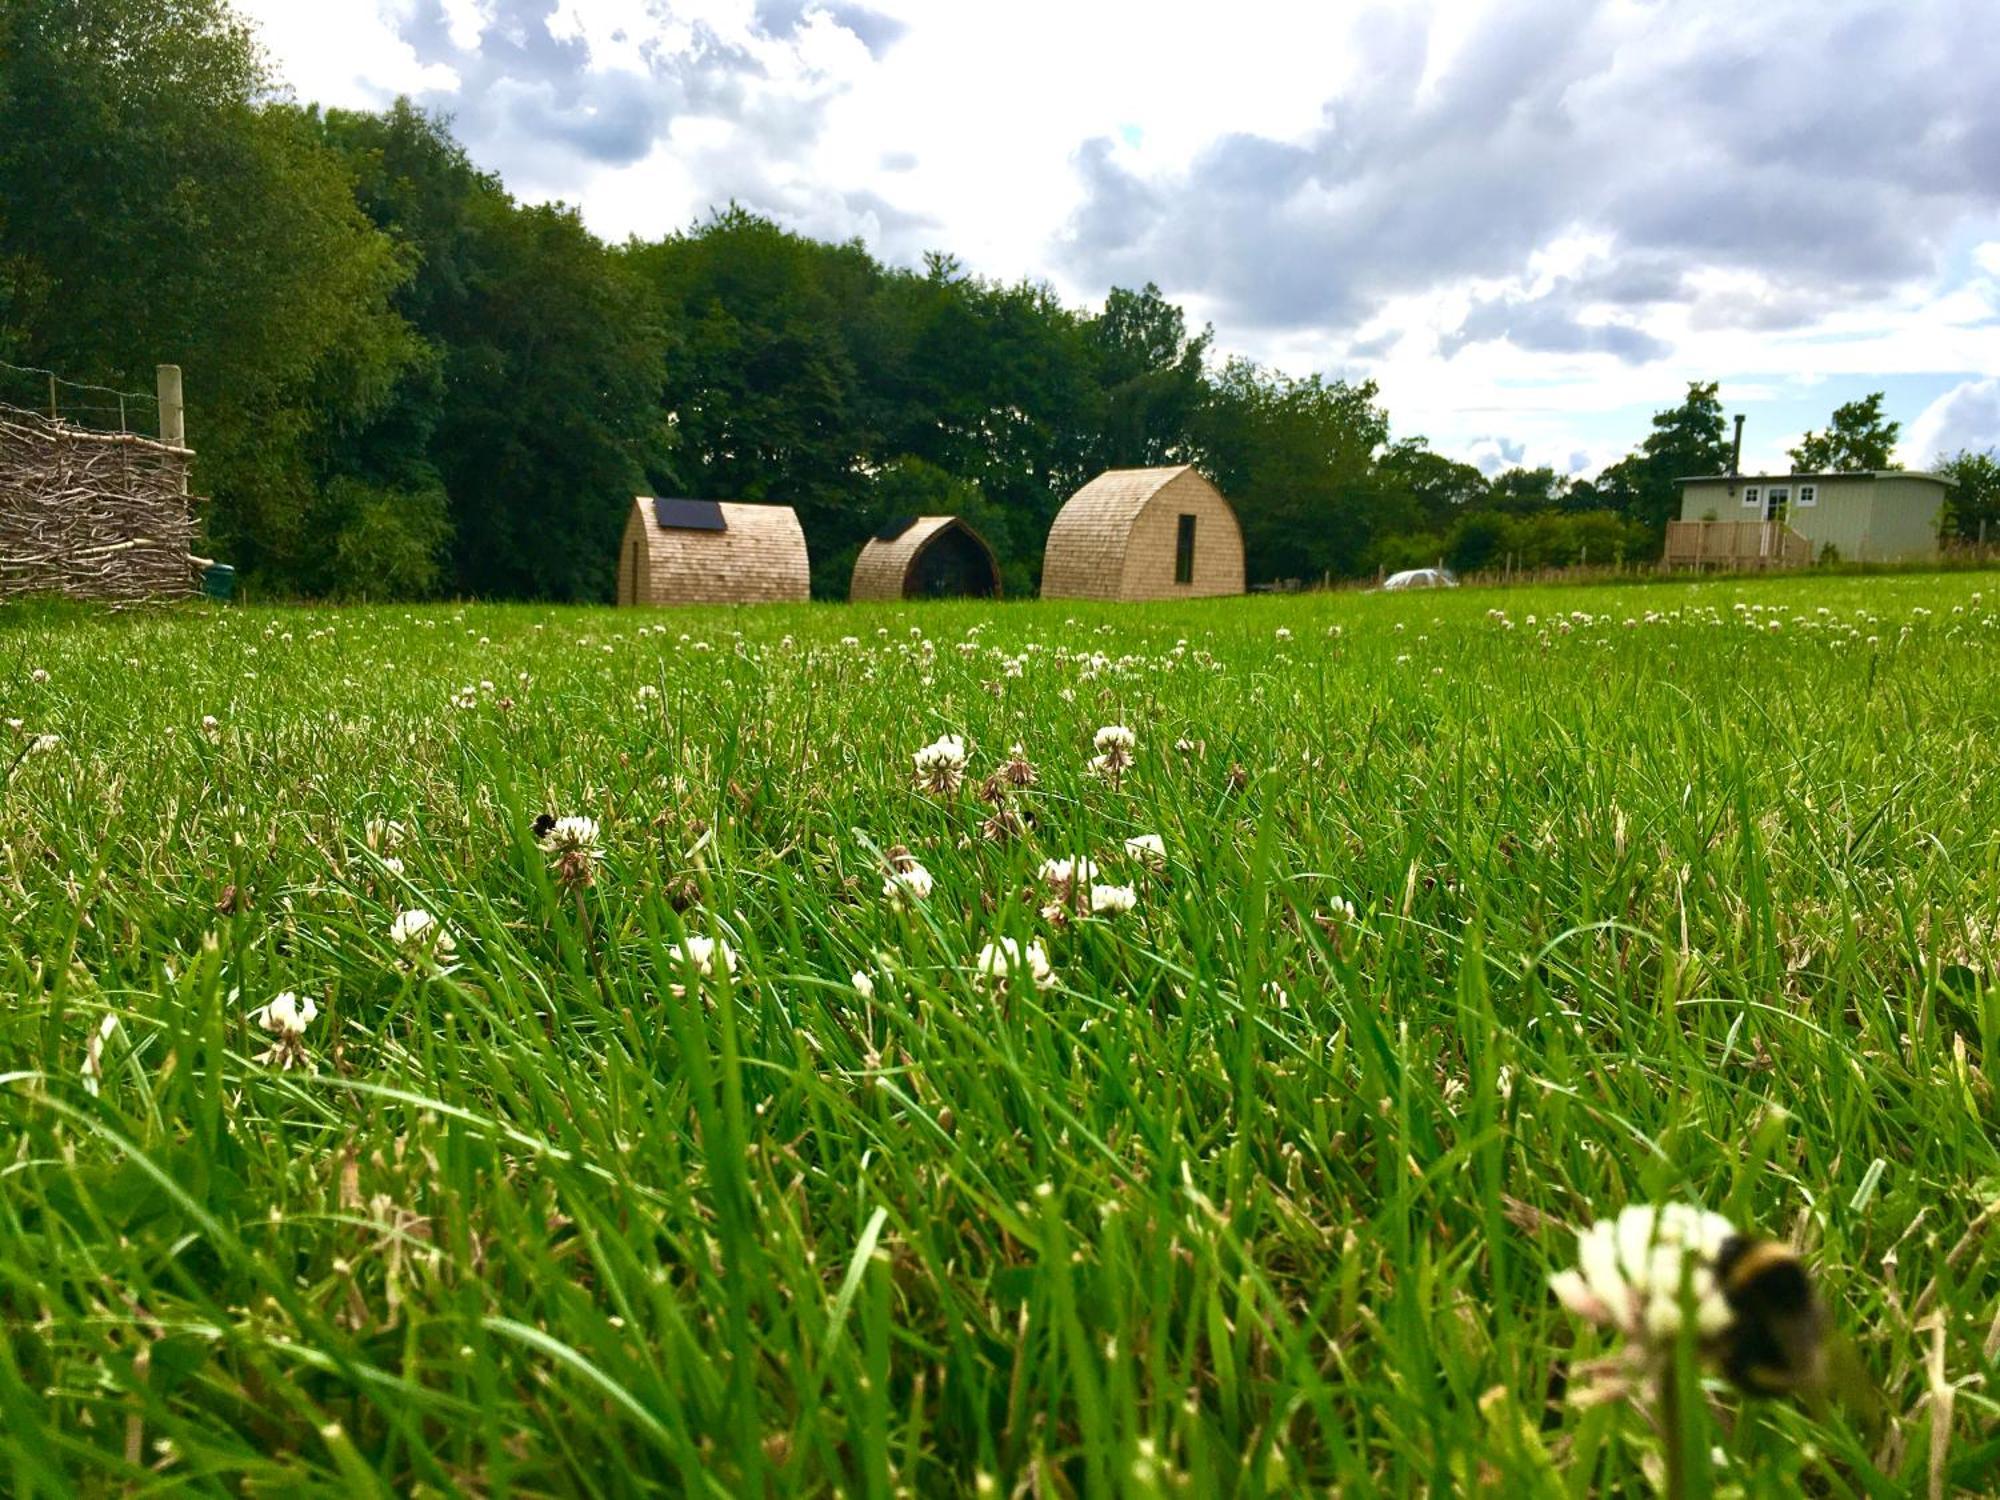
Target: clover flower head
x,y
1147,848
999,960
707,956
423,939
572,844
1064,875
941,765
285,1017
907,883
1115,744
1630,1271
1112,900
569,834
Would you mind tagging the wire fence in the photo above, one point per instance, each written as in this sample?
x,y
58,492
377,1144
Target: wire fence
x,y
99,408
93,500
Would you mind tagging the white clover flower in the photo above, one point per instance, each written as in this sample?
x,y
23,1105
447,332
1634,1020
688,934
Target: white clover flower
x,y
1064,873
42,744
384,833
998,961
941,765
571,843
39,675
210,725
422,937
1115,744
285,1017
572,835
1112,900
411,926
1283,634
707,956
906,883
1630,1271
864,986
465,698
1147,848
392,865
646,691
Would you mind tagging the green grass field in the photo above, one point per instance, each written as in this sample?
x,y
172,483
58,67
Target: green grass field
x,y
1691,894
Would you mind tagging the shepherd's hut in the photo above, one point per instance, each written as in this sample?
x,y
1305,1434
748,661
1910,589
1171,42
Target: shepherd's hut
x,y
1144,534
926,557
711,552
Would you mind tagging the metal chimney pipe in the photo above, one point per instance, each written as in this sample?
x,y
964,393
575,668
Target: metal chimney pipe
x,y
1736,453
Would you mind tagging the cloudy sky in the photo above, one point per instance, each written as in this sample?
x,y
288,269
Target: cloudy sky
x,y
1531,221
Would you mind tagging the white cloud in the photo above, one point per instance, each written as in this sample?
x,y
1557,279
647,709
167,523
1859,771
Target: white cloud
x,y
1591,202
1966,416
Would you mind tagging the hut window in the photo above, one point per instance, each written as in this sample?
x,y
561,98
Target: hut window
x,y
1775,499
1808,495
1184,552
1750,494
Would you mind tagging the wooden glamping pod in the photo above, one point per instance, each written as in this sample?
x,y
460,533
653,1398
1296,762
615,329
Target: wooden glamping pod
x,y
1144,534
926,557
711,552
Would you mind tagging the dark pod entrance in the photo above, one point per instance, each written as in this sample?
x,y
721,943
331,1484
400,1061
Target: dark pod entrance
x,y
953,564
926,557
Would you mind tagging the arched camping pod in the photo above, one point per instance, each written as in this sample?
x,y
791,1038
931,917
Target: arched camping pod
x,y
926,557
711,552
1144,534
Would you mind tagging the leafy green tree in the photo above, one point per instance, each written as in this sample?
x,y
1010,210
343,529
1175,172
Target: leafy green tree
x,y
1973,511
1478,540
1520,491
1153,379
1686,440
157,209
536,411
760,388
1297,457
1437,489
1857,438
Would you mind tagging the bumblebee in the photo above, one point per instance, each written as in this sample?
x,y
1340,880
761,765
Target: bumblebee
x,y
1776,1342
542,825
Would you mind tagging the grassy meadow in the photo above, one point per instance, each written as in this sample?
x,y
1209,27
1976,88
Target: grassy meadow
x,y
1471,927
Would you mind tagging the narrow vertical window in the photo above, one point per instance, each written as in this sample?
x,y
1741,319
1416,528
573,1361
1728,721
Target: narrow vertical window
x,y
1184,552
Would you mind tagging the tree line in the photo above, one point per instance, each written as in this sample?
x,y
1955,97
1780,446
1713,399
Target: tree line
x,y
403,382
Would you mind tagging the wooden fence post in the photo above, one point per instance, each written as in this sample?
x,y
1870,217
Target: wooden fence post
x,y
173,416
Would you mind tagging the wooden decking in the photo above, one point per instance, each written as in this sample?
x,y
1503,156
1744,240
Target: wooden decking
x,y
1735,544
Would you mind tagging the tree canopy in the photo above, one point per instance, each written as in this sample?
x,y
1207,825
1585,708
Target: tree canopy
x,y
1857,438
403,382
